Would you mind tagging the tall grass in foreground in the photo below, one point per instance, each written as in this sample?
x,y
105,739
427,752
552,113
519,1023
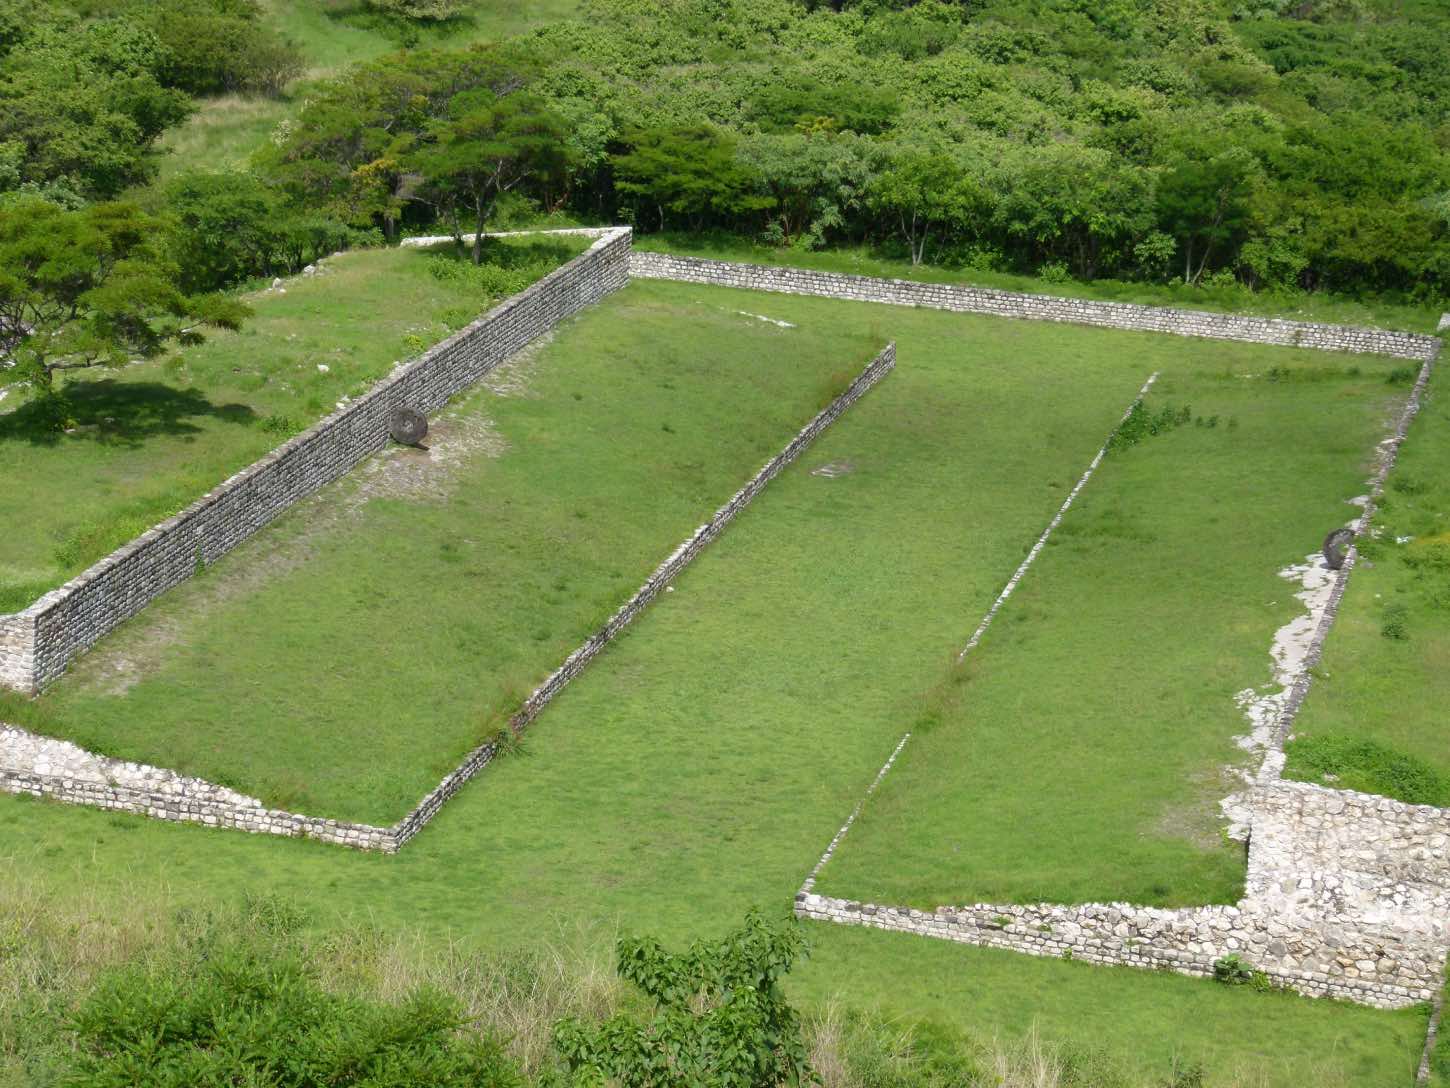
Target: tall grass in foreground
x,y
54,952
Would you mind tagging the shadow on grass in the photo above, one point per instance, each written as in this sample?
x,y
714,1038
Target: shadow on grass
x,y
115,413
499,252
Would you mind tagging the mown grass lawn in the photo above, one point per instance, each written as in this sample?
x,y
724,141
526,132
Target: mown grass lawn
x,y
1078,755
344,660
702,764
152,437
1375,716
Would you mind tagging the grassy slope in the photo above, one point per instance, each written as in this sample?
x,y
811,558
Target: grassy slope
x,y
700,767
157,435
1076,756
1390,691
330,684
864,261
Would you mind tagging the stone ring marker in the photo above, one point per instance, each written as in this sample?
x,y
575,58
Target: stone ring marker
x,y
1336,547
407,426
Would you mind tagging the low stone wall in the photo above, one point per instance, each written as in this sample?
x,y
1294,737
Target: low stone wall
x,y
663,575
49,768
983,300
43,767
1348,896
68,620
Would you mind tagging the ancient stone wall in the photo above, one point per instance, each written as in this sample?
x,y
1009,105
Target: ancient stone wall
x,y
983,300
49,768
70,619
1348,895
17,651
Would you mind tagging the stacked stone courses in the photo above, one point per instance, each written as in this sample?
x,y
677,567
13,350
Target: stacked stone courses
x,y
1348,895
1076,311
37,645
147,791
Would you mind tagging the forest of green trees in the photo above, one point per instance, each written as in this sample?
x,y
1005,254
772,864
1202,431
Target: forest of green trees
x,y
1282,145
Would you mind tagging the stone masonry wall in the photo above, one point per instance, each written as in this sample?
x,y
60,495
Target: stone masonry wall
x,y
1348,895
48,768
982,300
17,651
70,619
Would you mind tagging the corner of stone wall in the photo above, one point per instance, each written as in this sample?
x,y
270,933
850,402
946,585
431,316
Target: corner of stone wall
x,y
17,652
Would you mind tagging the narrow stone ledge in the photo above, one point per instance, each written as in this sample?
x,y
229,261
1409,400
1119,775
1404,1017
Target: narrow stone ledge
x,y
966,299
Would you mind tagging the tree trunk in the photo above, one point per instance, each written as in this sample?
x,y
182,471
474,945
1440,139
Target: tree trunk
x,y
478,232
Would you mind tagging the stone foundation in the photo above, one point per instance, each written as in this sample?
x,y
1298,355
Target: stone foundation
x,y
1348,895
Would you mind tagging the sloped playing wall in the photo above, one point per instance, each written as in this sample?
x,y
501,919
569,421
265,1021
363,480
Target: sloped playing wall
x,y
37,645
43,767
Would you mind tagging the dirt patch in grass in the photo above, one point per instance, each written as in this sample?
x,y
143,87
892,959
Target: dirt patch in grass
x,y
429,474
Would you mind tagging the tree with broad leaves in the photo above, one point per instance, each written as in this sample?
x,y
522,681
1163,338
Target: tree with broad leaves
x,y
688,171
489,143
928,194
92,288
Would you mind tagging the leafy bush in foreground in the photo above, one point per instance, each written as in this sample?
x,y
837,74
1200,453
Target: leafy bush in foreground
x,y
719,1017
246,1015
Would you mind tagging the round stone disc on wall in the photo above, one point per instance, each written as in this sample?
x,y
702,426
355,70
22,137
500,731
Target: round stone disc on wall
x,y
1336,547
407,426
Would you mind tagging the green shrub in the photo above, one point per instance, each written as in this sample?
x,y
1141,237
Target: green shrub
x,y
1366,765
1396,622
719,1017
492,280
1232,970
1139,424
242,1014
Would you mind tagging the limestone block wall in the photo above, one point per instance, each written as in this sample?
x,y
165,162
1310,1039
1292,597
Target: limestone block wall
x,y
48,768
17,651
1348,895
983,300
70,619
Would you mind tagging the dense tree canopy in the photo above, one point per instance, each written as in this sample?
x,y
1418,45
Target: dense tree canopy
x,y
92,288
1286,146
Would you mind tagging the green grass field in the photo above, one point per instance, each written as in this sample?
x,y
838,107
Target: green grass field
x,y
304,669
154,436
1078,754
702,764
1360,721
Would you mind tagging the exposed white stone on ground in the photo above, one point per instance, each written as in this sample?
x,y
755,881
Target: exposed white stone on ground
x,y
27,752
1290,655
768,320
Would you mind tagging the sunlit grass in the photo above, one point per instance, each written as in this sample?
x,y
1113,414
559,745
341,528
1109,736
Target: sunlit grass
x,y
1385,674
1079,754
700,766
154,436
